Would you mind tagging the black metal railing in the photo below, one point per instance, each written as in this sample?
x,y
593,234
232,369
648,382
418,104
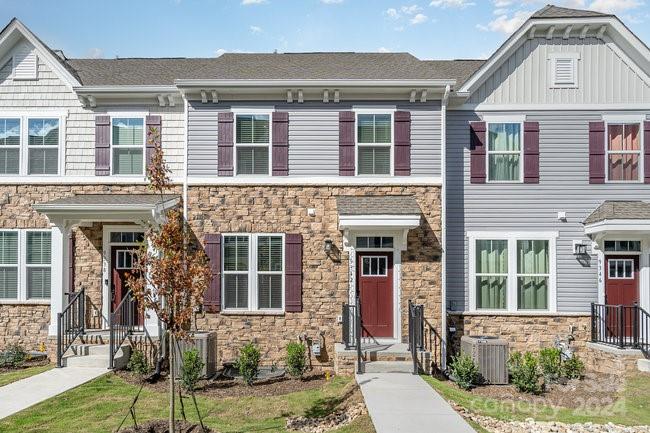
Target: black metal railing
x,y
625,326
124,320
416,333
70,323
351,315
426,340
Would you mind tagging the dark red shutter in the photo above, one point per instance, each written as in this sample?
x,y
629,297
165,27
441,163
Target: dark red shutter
x,y
280,151
154,126
102,145
293,273
531,152
212,296
646,160
71,262
225,155
596,152
402,143
477,152
346,143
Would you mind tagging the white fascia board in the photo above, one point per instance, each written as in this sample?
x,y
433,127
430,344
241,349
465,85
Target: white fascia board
x,y
636,226
379,221
198,83
484,107
79,180
314,180
143,89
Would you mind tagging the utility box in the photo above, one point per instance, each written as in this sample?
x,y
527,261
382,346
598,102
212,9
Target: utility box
x,y
206,344
490,354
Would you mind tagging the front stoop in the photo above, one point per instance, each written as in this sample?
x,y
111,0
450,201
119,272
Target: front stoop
x,y
95,356
380,358
643,365
603,358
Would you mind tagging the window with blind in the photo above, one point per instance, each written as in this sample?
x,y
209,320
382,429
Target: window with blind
x,y
533,273
504,152
624,152
43,146
127,142
25,265
252,142
491,274
9,146
38,263
8,265
253,272
374,143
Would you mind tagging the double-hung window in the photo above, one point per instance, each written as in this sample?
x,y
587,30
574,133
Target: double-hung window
x,y
513,272
374,143
253,272
624,150
504,152
43,146
29,145
127,142
25,265
252,142
9,146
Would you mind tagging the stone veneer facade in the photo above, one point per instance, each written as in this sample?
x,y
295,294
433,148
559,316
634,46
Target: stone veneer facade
x,y
283,209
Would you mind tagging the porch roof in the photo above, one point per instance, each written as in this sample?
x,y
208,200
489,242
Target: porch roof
x,y
375,212
620,210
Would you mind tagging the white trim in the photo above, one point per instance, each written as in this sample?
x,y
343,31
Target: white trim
x,y
618,225
640,152
129,115
78,180
188,83
379,221
253,111
502,120
316,180
443,224
486,107
618,118
553,58
376,110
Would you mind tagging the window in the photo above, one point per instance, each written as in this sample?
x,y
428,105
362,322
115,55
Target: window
x,y
9,146
491,274
532,275
564,70
43,146
504,152
253,272
252,140
126,259
127,237
622,246
127,142
621,269
374,266
25,265
623,152
374,143
374,242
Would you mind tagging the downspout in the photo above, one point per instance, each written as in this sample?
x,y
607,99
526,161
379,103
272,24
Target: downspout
x,y
185,192
443,223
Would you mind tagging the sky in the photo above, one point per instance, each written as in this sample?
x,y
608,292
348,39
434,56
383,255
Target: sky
x,y
429,29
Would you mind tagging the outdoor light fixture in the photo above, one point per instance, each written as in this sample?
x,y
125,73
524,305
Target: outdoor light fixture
x,y
579,248
328,246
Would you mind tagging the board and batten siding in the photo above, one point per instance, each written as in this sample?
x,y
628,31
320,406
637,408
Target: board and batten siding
x,y
563,186
313,136
604,76
49,92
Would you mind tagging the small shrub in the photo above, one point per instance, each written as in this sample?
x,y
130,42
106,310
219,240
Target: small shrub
x,y
525,373
573,368
296,360
13,356
550,362
138,363
192,369
248,363
465,371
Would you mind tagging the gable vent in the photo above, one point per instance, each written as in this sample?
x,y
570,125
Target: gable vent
x,y
564,70
25,63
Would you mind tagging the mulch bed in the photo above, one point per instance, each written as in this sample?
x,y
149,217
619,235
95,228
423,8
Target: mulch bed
x,y
224,387
26,364
162,426
593,389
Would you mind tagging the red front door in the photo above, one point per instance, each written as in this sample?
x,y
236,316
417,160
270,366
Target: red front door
x,y
375,285
122,263
621,288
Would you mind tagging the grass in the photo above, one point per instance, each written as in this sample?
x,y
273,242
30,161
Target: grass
x,y
12,376
100,405
631,408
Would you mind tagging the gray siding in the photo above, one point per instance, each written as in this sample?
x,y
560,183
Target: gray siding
x,y
313,137
564,186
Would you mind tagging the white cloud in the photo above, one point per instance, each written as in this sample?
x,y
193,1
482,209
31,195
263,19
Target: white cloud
x,y
615,6
256,29
410,10
95,53
419,19
392,13
383,50
460,4
252,2
331,2
505,23
220,51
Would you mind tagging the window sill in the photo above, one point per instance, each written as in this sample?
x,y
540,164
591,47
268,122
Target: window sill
x,y
251,313
25,302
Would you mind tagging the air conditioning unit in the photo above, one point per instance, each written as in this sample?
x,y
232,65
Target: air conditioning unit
x,y
490,354
206,344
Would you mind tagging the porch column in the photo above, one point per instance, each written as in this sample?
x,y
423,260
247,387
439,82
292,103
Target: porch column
x,y
58,301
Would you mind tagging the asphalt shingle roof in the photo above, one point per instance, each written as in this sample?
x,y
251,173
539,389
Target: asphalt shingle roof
x,y
624,210
111,200
551,11
378,205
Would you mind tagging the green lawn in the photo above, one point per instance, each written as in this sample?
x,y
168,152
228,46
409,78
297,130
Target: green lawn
x,y
631,408
14,375
100,405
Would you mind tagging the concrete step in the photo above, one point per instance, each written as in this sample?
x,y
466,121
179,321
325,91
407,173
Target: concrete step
x,y
84,355
643,365
94,361
388,367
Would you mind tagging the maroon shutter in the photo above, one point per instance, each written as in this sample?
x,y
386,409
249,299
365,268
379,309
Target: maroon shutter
x,y
71,262
402,143
346,143
212,296
293,273
280,157
225,155
646,160
154,126
531,152
477,152
102,145
596,152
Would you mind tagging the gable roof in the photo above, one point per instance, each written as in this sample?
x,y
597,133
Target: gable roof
x,y
619,210
552,11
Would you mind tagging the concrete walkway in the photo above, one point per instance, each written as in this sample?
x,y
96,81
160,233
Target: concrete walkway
x,y
399,402
27,392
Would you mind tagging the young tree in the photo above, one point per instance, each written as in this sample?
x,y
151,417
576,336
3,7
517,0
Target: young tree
x,y
171,272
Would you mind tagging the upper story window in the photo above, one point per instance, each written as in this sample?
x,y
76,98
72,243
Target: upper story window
x,y
127,142
25,265
43,146
504,152
374,143
564,70
252,142
30,145
9,146
624,150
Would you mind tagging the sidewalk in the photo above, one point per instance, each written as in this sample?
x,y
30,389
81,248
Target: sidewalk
x,y
35,389
399,402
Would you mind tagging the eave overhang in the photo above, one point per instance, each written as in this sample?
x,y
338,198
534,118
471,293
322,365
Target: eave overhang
x,y
379,222
163,95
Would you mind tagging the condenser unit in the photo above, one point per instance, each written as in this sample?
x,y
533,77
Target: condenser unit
x,y
490,354
206,344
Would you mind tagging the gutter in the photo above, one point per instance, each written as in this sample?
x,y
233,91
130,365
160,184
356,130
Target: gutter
x,y
124,89
443,224
315,83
